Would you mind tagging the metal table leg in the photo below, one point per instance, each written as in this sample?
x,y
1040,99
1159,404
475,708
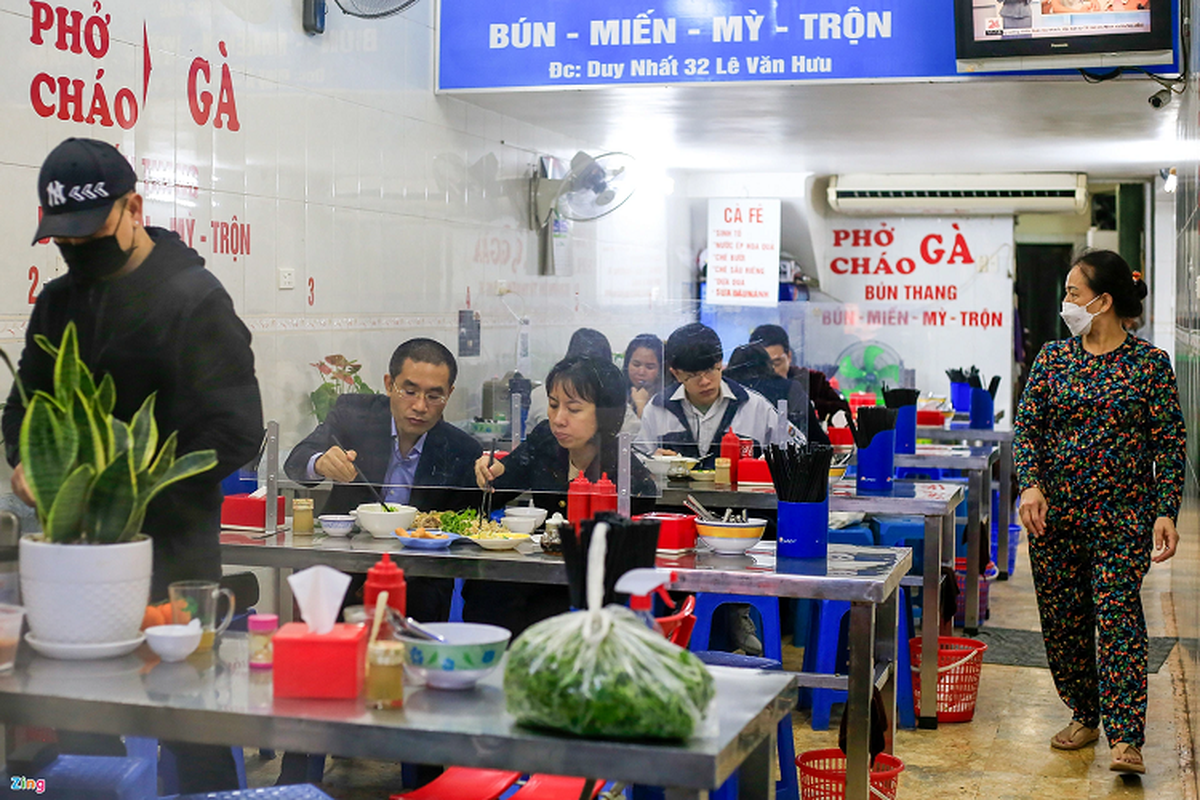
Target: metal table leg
x,y
887,651
756,778
858,700
976,484
1006,501
935,533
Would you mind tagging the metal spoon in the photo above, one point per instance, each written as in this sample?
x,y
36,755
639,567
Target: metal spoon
x,y
408,626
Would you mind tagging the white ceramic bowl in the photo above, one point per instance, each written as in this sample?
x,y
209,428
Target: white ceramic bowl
x,y
731,537
383,524
527,511
470,652
519,524
174,642
337,524
658,466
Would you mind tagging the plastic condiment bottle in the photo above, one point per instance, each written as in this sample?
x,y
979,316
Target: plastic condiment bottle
x,y
731,448
579,500
261,628
386,575
604,495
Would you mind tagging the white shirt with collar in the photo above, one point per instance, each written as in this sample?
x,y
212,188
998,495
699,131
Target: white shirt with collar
x,y
756,418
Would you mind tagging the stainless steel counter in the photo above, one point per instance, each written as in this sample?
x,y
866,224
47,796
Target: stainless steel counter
x,y
216,699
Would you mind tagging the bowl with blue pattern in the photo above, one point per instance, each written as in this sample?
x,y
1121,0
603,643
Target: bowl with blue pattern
x,y
470,652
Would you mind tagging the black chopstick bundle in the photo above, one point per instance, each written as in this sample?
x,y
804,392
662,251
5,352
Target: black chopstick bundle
x,y
873,420
899,398
800,472
956,375
630,545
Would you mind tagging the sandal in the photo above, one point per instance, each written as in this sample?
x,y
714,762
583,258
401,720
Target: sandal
x,y
1127,758
1075,736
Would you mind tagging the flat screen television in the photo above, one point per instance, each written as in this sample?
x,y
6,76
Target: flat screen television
x,y
1008,35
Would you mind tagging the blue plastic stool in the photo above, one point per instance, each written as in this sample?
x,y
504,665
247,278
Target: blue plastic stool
x,y
456,601
298,791
788,785
769,631
903,532
146,749
852,534
825,659
97,778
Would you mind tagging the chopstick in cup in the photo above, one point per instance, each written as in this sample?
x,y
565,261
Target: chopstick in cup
x,y
358,471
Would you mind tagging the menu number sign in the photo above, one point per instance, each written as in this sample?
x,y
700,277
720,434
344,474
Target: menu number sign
x,y
743,252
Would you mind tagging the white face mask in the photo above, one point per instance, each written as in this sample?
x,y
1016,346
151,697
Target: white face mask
x,y
1077,317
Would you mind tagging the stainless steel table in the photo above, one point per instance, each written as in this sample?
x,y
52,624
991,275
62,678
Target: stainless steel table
x,y
218,700
977,462
867,577
1005,440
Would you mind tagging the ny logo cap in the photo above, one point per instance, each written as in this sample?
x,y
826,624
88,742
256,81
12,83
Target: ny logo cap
x,y
78,184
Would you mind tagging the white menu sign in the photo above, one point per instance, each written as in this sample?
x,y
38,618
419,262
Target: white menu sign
x,y
743,252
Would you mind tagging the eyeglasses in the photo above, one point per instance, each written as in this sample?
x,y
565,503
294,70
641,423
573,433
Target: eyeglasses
x,y
779,361
432,397
690,377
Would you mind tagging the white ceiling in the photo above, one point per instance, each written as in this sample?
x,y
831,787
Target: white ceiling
x,y
1107,130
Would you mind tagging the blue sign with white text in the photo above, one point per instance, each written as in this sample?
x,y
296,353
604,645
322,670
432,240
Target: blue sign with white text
x,y
495,44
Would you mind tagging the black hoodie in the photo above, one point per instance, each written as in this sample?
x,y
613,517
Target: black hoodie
x,y
168,326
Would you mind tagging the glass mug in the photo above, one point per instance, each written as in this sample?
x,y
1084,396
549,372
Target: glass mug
x,y
198,600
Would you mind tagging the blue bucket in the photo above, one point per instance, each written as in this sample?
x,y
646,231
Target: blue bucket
x,y
982,410
803,530
906,429
876,463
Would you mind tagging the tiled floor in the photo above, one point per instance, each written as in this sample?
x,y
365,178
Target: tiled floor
x,y
1003,753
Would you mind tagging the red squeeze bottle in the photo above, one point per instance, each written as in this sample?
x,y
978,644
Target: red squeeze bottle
x,y
604,495
579,500
385,575
731,448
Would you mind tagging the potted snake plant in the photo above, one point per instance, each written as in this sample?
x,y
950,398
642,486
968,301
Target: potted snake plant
x,y
85,578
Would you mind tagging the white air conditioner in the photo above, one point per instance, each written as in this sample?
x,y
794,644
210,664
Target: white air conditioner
x,y
1013,193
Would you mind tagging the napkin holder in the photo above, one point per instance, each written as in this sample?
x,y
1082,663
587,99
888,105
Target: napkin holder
x,y
319,665
246,513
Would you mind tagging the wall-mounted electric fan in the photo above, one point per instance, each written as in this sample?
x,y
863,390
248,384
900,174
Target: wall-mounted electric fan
x,y
591,188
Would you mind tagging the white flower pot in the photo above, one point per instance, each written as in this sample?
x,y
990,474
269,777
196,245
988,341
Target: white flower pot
x,y
85,593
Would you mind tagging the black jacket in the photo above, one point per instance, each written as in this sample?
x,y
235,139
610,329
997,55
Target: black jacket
x,y
445,477
167,327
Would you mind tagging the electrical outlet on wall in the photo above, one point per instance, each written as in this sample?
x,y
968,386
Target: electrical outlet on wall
x,y
287,278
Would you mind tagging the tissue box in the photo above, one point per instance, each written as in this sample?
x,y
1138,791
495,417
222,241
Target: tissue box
x,y
243,512
328,665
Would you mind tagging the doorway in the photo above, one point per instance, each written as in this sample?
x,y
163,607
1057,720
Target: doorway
x,y
1041,271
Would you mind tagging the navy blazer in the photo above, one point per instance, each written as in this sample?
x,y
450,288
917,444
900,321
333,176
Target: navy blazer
x,y
445,478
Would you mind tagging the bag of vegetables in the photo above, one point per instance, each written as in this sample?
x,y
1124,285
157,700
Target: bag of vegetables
x,y
603,673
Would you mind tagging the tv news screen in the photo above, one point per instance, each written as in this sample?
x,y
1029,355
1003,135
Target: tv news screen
x,y
998,35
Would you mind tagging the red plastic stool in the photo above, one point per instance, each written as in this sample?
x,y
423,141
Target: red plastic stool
x,y
464,783
678,626
554,787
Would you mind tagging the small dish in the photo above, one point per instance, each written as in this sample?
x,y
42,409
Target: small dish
x,y
502,543
519,524
441,543
336,524
704,475
68,651
174,642
527,511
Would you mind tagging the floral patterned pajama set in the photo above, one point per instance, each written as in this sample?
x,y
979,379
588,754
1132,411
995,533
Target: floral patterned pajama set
x,y
1103,437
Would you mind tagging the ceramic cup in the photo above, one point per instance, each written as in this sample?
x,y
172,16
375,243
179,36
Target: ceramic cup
x,y
198,600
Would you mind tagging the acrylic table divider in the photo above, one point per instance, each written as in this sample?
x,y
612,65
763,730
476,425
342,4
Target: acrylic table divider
x,y
1005,440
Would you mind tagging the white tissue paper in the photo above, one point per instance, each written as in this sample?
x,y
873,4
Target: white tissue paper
x,y
319,591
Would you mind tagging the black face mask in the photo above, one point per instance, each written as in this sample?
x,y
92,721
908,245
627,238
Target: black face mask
x,y
95,259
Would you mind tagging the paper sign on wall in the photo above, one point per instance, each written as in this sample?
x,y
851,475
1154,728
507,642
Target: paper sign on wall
x,y
743,252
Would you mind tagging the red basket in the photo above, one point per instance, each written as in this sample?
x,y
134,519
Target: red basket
x,y
823,775
959,661
960,576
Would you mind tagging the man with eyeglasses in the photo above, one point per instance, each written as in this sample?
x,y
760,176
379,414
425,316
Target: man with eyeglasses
x,y
396,439
690,417
825,399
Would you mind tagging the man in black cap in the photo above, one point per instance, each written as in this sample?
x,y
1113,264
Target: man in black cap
x,y
149,314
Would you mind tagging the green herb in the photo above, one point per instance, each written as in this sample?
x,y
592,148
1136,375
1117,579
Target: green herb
x,y
456,521
631,684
